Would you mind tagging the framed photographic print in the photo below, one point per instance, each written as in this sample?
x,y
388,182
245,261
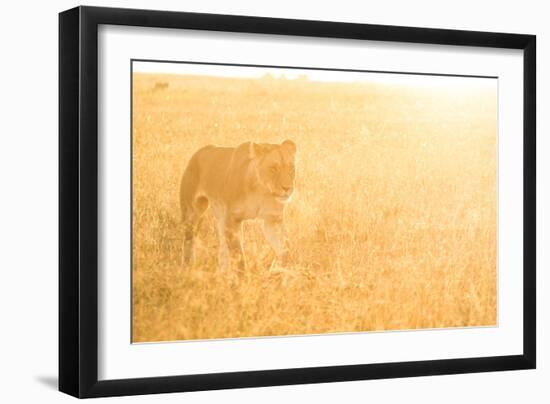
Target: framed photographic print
x,y
250,201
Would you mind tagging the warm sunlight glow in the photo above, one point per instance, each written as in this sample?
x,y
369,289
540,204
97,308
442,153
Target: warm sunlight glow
x,y
392,220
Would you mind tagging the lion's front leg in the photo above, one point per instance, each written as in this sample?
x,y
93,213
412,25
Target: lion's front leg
x,y
275,234
232,254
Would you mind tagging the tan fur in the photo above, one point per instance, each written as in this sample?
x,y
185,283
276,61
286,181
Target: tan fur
x,y
251,181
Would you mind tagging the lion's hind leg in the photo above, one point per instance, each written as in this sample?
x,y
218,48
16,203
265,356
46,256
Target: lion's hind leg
x,y
191,218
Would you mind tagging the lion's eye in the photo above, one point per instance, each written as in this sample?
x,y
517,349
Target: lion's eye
x,y
273,169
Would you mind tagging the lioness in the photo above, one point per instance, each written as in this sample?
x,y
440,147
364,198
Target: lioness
x,y
250,181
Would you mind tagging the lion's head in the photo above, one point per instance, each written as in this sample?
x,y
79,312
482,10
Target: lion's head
x,y
275,167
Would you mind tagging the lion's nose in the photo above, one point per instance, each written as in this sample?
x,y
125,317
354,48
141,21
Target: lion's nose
x,y
287,189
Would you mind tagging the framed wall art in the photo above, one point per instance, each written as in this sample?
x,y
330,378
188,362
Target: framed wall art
x,y
251,201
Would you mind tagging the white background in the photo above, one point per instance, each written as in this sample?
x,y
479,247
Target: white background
x,y
28,207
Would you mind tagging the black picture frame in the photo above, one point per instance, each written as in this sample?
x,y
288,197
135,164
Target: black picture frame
x,y
78,201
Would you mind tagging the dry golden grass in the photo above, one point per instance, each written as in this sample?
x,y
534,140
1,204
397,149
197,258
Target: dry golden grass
x,y
392,225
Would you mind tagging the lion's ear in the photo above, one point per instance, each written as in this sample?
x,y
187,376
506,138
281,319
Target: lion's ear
x,y
257,150
290,146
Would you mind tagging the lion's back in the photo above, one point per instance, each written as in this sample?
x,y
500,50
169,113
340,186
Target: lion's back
x,y
214,171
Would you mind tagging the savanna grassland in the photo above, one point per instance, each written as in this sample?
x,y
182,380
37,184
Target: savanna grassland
x,y
392,224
